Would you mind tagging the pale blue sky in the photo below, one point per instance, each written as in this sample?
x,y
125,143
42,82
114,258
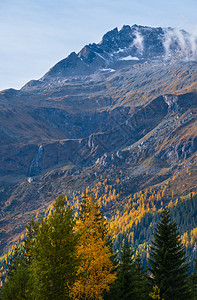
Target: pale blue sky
x,y
35,34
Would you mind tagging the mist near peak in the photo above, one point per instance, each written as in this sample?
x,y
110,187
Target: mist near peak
x,y
180,42
138,41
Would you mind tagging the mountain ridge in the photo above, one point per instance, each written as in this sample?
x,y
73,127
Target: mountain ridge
x,y
89,116
132,43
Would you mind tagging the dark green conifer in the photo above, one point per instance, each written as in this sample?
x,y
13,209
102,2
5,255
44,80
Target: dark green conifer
x,y
141,285
194,282
167,261
124,288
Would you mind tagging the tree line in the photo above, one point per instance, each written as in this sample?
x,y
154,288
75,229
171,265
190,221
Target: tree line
x,y
67,257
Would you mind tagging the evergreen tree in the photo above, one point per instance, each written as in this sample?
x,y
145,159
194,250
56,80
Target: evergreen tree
x,y
142,286
96,269
51,248
16,285
167,261
126,285
194,282
127,278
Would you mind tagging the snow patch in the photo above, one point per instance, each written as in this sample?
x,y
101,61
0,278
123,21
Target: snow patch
x,y
108,70
120,50
129,58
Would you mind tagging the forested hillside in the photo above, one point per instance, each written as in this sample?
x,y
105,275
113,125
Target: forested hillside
x,y
67,257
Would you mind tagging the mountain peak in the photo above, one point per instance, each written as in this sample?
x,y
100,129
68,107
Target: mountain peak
x,y
127,46
110,36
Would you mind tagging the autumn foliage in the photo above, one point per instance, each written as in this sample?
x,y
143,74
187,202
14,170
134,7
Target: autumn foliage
x,y
95,271
68,253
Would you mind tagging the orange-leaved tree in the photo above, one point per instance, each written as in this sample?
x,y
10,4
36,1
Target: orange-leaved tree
x,y
96,270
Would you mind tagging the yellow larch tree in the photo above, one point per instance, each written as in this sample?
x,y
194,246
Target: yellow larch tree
x,y
95,274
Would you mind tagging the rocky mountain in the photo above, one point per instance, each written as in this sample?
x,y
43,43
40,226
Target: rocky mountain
x,y
124,106
123,48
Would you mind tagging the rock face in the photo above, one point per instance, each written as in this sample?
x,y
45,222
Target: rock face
x,y
118,49
126,103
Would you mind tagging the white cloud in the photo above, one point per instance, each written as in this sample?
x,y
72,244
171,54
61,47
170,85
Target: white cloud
x,y
138,41
187,43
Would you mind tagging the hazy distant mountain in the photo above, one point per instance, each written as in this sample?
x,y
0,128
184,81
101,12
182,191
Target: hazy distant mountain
x,y
126,104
